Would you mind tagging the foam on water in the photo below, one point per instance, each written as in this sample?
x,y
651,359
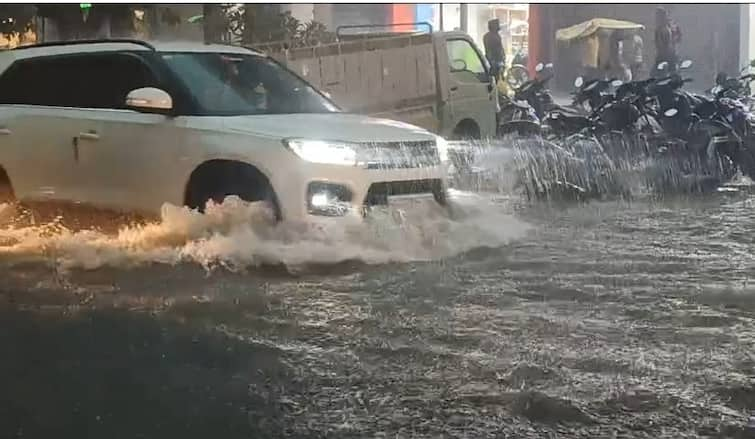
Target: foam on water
x,y
237,235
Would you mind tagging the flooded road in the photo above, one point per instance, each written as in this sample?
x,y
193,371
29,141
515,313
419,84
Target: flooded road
x,y
605,320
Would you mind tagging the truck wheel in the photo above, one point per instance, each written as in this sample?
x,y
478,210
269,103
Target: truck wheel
x,y
217,180
466,130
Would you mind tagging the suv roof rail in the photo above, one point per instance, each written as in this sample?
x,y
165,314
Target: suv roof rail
x,y
94,41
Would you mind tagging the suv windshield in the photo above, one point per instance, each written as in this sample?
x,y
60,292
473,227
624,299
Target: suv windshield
x,y
234,84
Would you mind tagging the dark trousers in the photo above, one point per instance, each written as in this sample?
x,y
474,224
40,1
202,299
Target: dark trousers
x,y
637,71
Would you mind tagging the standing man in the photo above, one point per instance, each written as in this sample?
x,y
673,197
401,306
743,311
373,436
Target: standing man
x,y
590,54
667,38
494,48
617,67
636,64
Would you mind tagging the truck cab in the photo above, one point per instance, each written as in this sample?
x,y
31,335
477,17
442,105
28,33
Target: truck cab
x,y
471,104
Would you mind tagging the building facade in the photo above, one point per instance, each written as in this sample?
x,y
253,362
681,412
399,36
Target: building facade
x,y
471,18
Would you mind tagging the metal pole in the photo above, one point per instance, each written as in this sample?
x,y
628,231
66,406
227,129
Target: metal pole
x,y
440,5
463,16
744,35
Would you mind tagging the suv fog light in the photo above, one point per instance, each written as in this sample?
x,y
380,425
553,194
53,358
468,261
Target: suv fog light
x,y
328,199
321,199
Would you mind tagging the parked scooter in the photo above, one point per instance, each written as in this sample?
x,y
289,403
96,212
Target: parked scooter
x,y
519,113
699,153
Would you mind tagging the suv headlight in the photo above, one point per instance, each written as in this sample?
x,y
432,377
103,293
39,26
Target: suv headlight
x,y
324,151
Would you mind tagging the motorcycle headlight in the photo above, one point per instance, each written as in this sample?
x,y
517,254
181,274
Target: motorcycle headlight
x,y
442,146
324,151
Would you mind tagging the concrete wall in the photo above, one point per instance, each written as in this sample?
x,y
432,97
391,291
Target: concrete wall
x,y
303,12
710,36
339,14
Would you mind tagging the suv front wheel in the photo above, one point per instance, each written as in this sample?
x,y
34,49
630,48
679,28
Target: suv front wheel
x,y
218,179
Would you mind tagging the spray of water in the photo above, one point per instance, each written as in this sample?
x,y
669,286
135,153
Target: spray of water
x,y
237,235
536,166
581,167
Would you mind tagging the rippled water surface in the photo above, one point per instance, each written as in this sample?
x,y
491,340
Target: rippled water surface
x,y
602,320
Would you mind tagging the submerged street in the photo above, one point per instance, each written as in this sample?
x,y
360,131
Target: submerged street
x,y
257,221
604,320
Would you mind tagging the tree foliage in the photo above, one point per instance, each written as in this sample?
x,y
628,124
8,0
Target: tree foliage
x,y
249,24
253,24
73,23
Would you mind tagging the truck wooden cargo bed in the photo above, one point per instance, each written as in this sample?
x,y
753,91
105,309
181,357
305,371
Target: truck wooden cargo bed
x,y
392,76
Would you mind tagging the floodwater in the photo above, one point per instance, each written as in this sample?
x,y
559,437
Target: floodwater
x,y
600,320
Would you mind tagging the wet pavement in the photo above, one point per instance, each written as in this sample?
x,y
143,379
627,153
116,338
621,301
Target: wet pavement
x,y
602,320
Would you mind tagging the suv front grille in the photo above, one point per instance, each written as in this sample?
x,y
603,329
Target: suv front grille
x,y
378,193
401,155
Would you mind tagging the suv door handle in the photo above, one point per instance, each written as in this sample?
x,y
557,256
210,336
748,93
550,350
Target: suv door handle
x,y
91,135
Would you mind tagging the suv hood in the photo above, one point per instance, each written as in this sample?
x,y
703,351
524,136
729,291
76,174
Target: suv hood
x,y
330,126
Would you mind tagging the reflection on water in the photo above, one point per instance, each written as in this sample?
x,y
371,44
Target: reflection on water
x,y
602,320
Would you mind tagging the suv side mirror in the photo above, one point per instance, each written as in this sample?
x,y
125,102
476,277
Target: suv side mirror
x,y
149,100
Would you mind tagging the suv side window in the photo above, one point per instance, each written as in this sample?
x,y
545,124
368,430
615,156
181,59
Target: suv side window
x,y
97,80
465,63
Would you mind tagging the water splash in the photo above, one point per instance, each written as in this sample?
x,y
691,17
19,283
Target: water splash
x,y
236,235
536,166
579,167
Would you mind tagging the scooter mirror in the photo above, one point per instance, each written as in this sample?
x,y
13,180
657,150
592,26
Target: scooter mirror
x,y
617,83
579,81
539,67
671,112
685,64
662,66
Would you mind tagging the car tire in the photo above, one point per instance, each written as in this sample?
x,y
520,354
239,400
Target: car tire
x,y
244,183
9,206
6,194
6,188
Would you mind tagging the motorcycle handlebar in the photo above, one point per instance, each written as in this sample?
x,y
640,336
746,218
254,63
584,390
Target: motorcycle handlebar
x,y
534,82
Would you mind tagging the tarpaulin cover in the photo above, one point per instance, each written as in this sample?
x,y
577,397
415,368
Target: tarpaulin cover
x,y
589,27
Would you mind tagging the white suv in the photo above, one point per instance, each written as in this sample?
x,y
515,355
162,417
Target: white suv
x,y
128,125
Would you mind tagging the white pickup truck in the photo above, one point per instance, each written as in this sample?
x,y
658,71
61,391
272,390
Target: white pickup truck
x,y
436,80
